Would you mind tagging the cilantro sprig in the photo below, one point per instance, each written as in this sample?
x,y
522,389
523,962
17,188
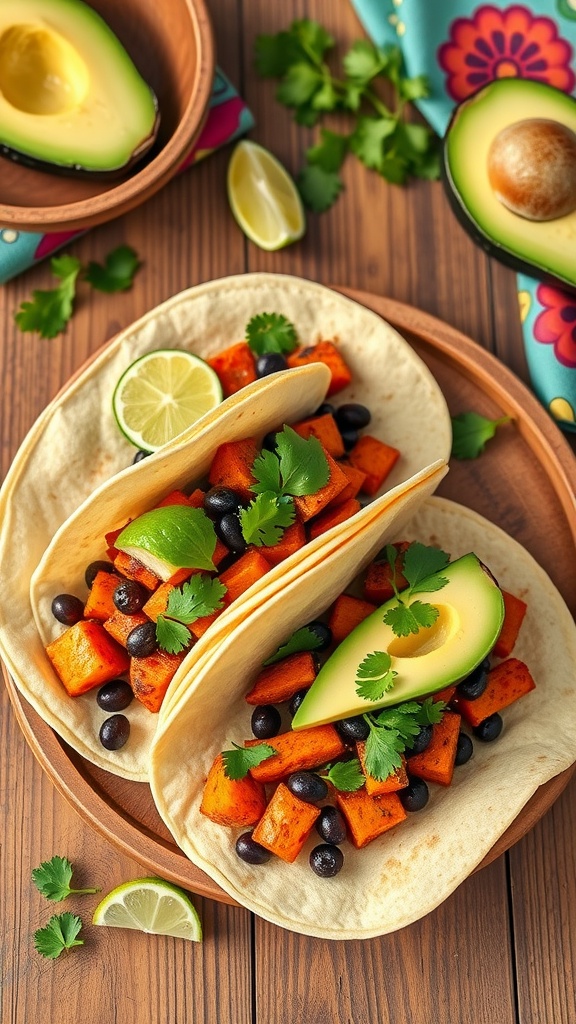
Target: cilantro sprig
x,y
422,566
381,136
53,879
264,520
116,274
375,675
238,762
346,776
271,332
59,934
199,596
470,433
304,639
393,729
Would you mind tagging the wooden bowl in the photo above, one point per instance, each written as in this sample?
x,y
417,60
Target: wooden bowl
x,y
171,45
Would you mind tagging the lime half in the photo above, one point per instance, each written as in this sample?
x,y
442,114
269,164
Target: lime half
x,y
263,197
162,394
150,905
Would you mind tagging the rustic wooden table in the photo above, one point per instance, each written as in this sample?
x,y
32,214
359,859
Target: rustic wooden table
x,y
501,950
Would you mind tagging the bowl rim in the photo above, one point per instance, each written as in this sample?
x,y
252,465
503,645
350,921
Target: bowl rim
x,y
86,213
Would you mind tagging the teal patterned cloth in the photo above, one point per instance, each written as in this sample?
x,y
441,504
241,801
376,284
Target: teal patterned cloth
x,y
461,46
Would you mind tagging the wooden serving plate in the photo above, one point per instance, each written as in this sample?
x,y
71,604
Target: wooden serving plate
x,y
525,481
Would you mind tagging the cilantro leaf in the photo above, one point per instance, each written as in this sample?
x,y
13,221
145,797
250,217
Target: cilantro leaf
x,y
53,879
431,711
59,934
421,562
304,639
346,775
318,188
303,465
374,675
422,565
199,596
299,85
271,332
367,141
238,762
382,752
48,312
313,38
172,636
117,273
391,732
470,433
404,619
266,469
264,520
329,153
273,55
416,88
364,61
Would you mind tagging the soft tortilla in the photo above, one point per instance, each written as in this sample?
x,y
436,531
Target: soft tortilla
x,y
75,447
404,874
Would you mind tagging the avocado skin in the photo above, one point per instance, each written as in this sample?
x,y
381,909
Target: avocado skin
x,y
492,246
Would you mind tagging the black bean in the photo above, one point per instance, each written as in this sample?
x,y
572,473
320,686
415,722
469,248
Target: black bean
x,y
349,438
270,362
490,728
219,501
326,409
114,732
295,701
474,685
229,531
308,786
94,568
115,695
265,721
415,795
323,632
352,415
353,729
326,860
331,825
141,641
68,609
129,597
140,454
464,749
251,851
420,741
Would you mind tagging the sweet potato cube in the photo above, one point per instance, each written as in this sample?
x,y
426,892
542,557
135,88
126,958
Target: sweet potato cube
x,y
333,516
196,499
306,748
235,366
325,429
280,681
233,802
447,694
85,656
293,538
347,613
199,627
158,601
286,824
368,816
507,682
378,580
310,505
174,498
133,569
250,567
436,763
355,479
119,625
150,677
374,458
324,352
398,779
99,604
514,612
232,466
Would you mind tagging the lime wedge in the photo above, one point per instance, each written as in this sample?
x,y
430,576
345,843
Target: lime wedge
x,y
163,393
150,905
170,538
263,197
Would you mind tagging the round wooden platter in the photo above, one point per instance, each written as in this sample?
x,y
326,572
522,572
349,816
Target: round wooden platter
x,y
525,481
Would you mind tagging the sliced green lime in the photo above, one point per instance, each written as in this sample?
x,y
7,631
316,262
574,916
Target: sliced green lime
x,y
150,905
162,394
263,197
170,538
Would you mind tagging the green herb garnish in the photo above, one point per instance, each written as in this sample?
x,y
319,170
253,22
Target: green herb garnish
x,y
304,639
345,775
53,879
198,597
59,934
48,312
391,732
271,332
238,762
380,136
264,520
117,272
421,568
471,431
375,676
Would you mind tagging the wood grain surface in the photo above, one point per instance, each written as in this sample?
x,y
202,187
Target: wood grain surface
x,y
502,949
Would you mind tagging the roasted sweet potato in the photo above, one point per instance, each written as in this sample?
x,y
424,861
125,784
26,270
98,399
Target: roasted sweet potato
x,y
174,498
181,575
333,516
368,816
377,582
507,682
196,499
120,625
235,366
85,656
232,466
310,505
397,780
324,352
233,802
150,677
99,604
293,538
355,479
374,458
514,612
326,430
436,763
306,748
286,824
157,602
111,537
199,627
447,694
248,569
279,682
347,613
133,569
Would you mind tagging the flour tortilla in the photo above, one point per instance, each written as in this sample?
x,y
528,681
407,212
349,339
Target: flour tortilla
x,y
75,448
406,873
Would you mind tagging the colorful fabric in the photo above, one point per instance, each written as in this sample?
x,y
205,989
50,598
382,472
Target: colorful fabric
x,y
460,46
227,119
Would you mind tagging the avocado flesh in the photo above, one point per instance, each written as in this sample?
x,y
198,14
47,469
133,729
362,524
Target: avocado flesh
x,y
471,613
70,96
538,248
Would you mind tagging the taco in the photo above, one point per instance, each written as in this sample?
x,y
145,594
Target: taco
x,y
389,879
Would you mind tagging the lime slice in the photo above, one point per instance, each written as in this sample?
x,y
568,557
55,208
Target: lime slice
x,y
163,393
150,905
264,198
170,538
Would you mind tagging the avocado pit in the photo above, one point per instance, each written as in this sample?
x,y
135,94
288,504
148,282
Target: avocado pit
x,y
532,168
40,72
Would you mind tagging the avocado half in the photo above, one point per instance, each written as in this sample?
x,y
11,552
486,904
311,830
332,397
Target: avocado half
x,y
71,99
541,249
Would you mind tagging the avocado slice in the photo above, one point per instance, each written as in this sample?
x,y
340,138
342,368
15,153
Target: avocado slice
x,y
539,248
70,97
471,613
